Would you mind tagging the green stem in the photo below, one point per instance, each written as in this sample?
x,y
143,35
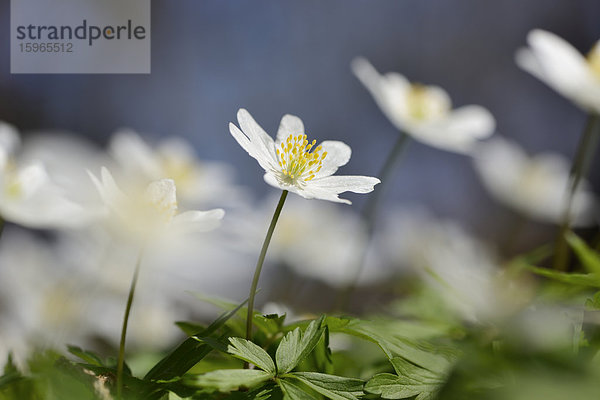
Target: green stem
x,y
369,214
259,264
581,163
121,359
370,211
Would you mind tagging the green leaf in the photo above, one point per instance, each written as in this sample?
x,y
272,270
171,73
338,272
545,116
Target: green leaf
x,y
393,344
590,259
293,392
188,353
331,386
410,381
295,346
252,353
590,280
226,380
190,328
86,356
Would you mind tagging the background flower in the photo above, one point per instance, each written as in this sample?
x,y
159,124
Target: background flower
x,y
536,185
425,112
558,64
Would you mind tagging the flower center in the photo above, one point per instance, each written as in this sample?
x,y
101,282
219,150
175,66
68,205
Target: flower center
x,y
424,103
593,59
297,161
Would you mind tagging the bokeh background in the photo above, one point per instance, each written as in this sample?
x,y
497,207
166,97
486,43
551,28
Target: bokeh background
x,y
211,57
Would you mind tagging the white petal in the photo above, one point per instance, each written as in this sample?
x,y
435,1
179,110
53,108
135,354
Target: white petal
x,y
163,193
258,137
32,178
328,188
306,192
289,125
9,138
369,77
314,192
389,91
197,221
459,131
107,188
562,67
338,154
133,154
255,152
346,183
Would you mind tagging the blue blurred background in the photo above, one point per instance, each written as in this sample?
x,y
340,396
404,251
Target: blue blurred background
x,y
211,57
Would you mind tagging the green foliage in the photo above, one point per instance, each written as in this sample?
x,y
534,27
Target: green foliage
x,y
248,351
330,386
295,346
230,379
410,380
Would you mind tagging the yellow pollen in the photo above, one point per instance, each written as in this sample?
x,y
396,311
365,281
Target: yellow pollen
x,y
593,59
298,163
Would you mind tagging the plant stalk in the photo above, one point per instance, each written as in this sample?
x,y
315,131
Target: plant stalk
x,y
121,359
581,163
259,264
369,213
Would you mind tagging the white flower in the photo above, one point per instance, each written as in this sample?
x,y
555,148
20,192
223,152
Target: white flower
x,y
198,183
293,163
425,112
153,211
535,186
462,270
27,194
66,158
555,62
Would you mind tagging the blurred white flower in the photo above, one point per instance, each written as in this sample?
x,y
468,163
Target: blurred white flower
x,y
292,163
460,269
146,214
535,186
321,241
66,157
425,112
36,297
198,183
9,138
465,274
27,194
555,62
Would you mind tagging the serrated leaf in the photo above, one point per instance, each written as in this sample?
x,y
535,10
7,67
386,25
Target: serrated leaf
x,y
226,380
87,356
435,359
590,259
252,353
293,392
331,386
411,380
296,345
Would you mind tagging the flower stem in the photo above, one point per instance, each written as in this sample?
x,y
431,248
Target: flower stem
x,y
581,162
259,264
121,359
369,214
